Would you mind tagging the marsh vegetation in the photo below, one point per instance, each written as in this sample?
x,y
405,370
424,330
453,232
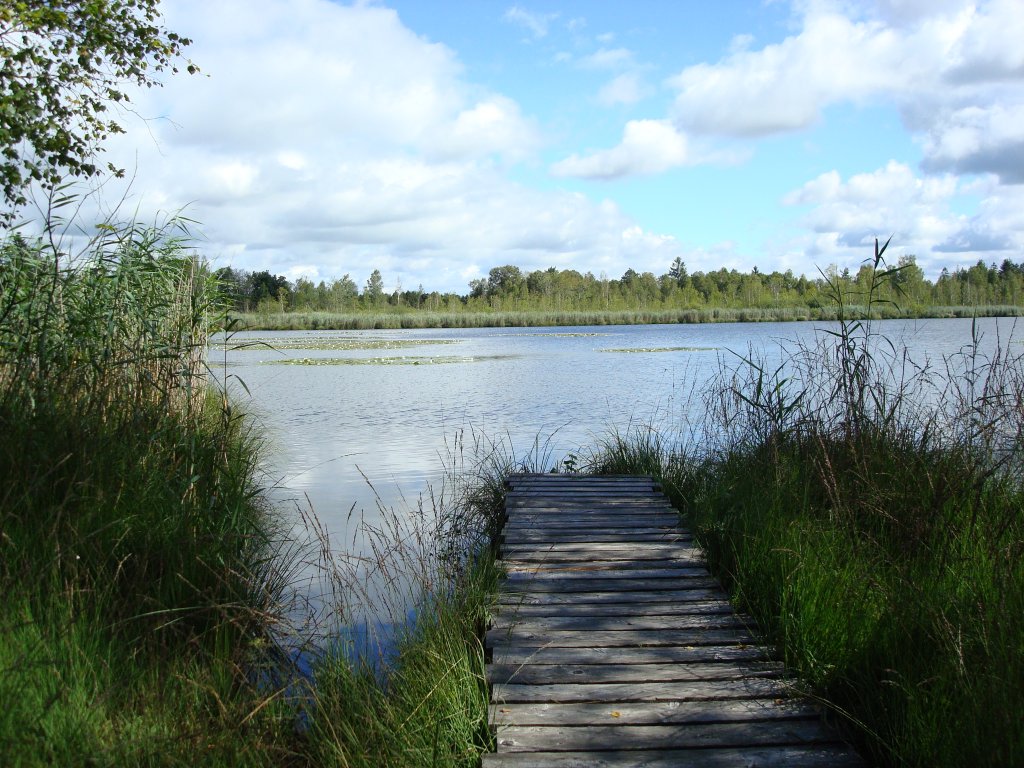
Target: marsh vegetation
x,y
153,610
867,510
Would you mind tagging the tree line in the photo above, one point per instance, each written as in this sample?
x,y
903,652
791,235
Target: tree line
x,y
508,288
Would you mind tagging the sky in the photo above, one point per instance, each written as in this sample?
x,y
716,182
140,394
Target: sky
x,y
434,139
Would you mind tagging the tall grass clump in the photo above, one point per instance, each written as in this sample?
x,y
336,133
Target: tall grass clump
x,y
865,506
414,692
138,567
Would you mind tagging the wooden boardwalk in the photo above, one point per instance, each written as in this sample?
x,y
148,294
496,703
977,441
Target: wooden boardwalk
x,y
613,645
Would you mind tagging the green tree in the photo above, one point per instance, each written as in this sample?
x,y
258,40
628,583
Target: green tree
x,y
343,293
264,285
65,63
374,291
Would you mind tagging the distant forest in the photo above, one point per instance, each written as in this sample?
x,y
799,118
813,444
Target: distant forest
x,y
509,289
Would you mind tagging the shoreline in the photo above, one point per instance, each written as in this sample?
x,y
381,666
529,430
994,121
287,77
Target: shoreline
x,y
329,321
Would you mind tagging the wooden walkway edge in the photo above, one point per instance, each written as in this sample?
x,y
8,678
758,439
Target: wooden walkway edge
x,y
614,646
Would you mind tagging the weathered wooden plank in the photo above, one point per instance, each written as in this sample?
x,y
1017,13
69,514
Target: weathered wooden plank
x,y
620,638
609,559
517,571
570,497
526,477
550,674
602,581
589,523
589,528
669,595
695,690
598,573
547,490
541,506
605,737
612,521
650,713
811,756
649,558
534,534
537,587
511,614
604,550
601,547
583,481
677,654
528,626
592,519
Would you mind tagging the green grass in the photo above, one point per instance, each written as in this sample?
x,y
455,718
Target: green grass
x,y
146,581
139,568
428,706
871,523
867,513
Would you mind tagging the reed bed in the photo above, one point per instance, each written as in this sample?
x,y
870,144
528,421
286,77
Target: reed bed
x,y
865,507
305,321
417,693
142,576
155,608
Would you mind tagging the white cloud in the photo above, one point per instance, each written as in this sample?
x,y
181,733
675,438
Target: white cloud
x,y
989,46
536,23
325,139
494,125
891,200
978,140
608,58
648,146
783,87
624,89
838,58
846,215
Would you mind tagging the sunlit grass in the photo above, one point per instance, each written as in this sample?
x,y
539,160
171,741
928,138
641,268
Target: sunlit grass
x,y
867,513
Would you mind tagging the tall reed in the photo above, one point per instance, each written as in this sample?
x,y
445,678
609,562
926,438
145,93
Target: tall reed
x,y
865,506
141,574
416,693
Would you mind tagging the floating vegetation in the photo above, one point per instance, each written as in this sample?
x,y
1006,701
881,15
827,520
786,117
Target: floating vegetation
x,y
661,349
327,343
562,334
396,360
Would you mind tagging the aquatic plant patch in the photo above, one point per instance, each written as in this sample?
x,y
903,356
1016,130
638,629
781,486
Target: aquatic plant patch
x,y
562,334
661,349
396,360
327,343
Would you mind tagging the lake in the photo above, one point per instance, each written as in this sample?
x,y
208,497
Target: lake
x,y
378,429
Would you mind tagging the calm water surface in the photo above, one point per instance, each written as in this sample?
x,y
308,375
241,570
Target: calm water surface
x,y
335,429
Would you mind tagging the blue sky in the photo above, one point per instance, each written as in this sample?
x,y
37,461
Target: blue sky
x,y
435,140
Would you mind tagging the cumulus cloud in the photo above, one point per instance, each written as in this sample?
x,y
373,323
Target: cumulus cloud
x,y
846,215
890,200
325,139
492,126
784,87
648,146
978,140
932,60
